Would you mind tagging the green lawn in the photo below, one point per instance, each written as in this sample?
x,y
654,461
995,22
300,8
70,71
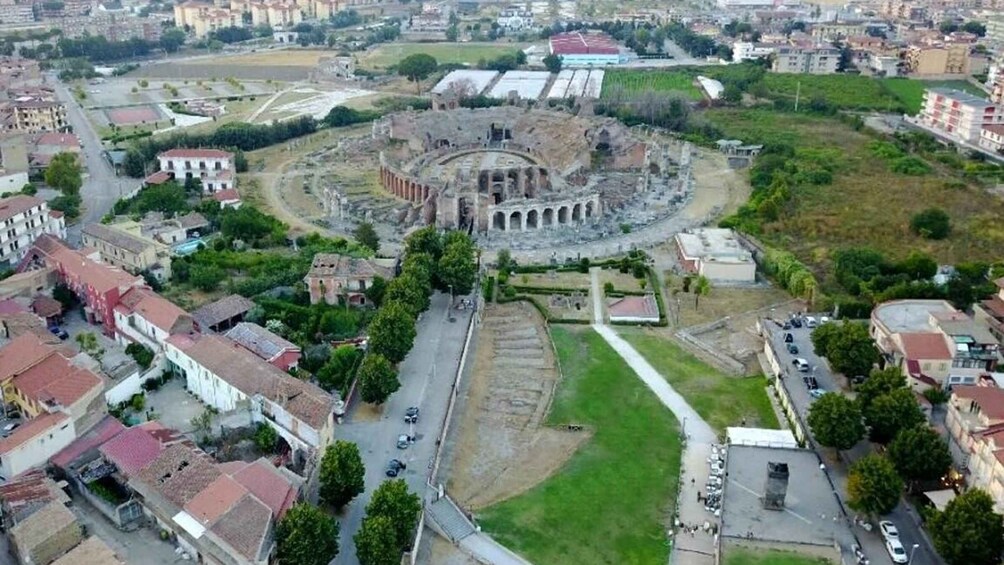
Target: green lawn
x,y
720,399
645,81
911,92
850,92
744,556
388,54
611,502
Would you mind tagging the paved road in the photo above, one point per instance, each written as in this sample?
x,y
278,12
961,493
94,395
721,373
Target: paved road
x,y
427,376
101,187
904,517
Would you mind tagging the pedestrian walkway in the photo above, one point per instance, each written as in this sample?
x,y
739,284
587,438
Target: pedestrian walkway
x,y
690,547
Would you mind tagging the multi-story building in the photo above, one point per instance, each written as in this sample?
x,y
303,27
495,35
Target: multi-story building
x,y
204,18
333,277
992,138
958,115
276,13
746,51
834,31
816,59
128,250
215,168
22,220
265,344
515,18
144,317
229,377
99,286
17,12
991,312
943,58
904,10
975,423
31,115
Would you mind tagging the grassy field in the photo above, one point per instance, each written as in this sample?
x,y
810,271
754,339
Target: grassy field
x,y
282,58
911,92
721,400
867,204
744,556
611,502
388,54
846,91
643,81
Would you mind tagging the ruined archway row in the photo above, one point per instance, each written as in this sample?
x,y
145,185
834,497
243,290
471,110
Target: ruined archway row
x,y
403,187
544,216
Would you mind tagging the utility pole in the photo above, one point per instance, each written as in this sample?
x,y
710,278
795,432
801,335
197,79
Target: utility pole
x,y
798,90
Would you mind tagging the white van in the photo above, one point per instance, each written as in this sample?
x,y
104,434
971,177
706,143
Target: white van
x,y
801,364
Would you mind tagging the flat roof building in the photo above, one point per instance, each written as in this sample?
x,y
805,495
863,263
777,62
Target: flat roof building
x,y
717,254
578,49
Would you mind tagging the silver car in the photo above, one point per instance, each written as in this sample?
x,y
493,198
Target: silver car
x,y
403,441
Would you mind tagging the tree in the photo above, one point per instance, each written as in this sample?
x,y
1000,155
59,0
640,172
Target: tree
x,y
932,223
847,346
879,383
265,438
64,174
873,487
835,421
969,531
377,379
552,62
172,40
206,277
376,542
134,164
702,287
392,500
417,67
425,240
504,262
919,454
342,475
408,290
976,28
64,295
337,372
458,267
890,413
376,291
306,536
89,344
366,235
918,266
392,331
732,94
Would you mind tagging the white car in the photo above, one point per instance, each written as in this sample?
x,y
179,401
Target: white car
x,y
896,551
888,530
810,322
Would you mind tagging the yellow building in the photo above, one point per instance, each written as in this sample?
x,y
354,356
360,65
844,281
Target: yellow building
x,y
131,251
943,59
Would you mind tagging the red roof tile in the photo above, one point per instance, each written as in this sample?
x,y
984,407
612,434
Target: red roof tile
x,y
11,306
227,195
245,527
46,306
155,309
21,353
31,429
105,430
160,177
56,138
14,205
577,43
635,307
989,399
924,346
215,500
99,276
55,380
131,450
265,482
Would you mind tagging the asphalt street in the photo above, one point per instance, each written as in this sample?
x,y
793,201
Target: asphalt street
x,y
902,516
427,375
101,186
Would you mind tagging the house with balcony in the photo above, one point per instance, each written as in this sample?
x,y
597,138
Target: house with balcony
x,y
935,345
22,220
130,251
142,316
333,276
956,115
228,377
975,423
212,167
991,312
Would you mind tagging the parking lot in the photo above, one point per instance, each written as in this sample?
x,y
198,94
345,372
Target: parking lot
x,y
902,516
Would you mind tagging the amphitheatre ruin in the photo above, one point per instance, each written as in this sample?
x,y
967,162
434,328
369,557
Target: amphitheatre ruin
x,y
513,176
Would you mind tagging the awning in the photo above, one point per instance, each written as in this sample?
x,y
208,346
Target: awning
x,y
940,498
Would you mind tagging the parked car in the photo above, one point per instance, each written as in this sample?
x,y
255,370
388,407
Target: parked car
x,y
810,322
796,323
403,441
9,428
788,338
896,551
888,530
801,364
816,392
411,415
59,332
793,349
810,383
786,326
858,379
394,467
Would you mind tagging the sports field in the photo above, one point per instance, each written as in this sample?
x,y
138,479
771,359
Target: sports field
x,y
387,54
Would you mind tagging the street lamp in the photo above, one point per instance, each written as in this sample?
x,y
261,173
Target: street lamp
x,y
914,549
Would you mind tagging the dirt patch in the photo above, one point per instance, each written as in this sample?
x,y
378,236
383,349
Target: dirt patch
x,y
503,449
283,58
442,552
367,412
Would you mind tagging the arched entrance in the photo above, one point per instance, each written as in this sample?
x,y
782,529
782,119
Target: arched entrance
x,y
531,220
563,215
577,213
516,221
548,217
498,222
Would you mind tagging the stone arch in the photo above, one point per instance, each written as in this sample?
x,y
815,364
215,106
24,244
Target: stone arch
x,y
498,222
577,213
516,221
589,210
563,215
532,220
548,217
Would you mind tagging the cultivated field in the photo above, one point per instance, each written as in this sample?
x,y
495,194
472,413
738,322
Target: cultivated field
x,y
387,54
647,81
746,556
611,502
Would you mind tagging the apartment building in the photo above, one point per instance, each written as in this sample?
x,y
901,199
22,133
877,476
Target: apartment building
x,y
958,115
837,30
991,312
904,10
515,18
277,13
213,167
22,220
204,18
17,12
746,51
127,250
816,60
944,58
975,422
33,115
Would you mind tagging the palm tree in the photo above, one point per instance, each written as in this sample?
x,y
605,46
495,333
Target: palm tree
x,y
702,287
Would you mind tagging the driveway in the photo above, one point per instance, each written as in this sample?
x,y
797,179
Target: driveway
x,y
101,186
903,516
427,375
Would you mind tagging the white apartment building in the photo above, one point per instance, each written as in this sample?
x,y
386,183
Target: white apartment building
x,y
821,60
958,115
747,51
515,18
22,220
215,168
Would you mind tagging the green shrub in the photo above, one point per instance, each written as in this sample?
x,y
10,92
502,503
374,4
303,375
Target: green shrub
x,y
910,165
933,223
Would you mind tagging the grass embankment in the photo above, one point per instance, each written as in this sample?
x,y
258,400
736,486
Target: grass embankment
x,y
720,399
744,556
388,54
611,502
867,204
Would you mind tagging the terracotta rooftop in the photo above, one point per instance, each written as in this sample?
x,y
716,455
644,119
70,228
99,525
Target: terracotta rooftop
x,y
40,526
102,432
131,450
246,527
155,309
267,483
224,309
46,306
24,494
196,154
227,195
11,306
179,473
32,429
260,341
101,277
192,220
251,375
160,177
924,346
92,551
336,265
19,204
68,140
55,381
995,305
215,500
21,354
989,399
